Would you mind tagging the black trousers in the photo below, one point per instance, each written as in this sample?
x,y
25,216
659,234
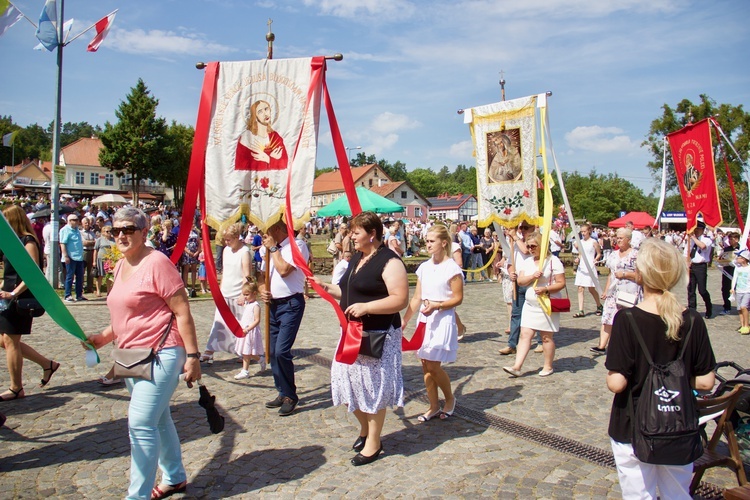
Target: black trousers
x,y
726,285
698,278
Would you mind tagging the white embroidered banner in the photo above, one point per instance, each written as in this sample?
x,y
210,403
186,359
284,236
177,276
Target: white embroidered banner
x,y
254,130
503,134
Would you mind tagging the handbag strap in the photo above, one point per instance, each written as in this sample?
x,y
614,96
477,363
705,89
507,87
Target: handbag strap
x,y
551,276
166,332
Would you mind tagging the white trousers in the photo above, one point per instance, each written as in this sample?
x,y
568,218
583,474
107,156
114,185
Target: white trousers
x,y
639,480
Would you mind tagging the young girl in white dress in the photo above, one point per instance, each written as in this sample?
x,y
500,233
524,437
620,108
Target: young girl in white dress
x,y
440,288
583,280
250,347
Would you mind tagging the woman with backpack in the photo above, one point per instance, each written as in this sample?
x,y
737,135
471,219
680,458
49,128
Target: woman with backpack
x,y
663,325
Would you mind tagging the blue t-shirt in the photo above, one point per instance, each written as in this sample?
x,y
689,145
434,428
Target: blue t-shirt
x,y
73,242
257,241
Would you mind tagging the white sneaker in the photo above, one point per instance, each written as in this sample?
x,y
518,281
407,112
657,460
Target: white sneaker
x,y
243,374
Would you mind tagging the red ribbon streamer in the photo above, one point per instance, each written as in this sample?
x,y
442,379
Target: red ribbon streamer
x,y
729,175
195,191
416,340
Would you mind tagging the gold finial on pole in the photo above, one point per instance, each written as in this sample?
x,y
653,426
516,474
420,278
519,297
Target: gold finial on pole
x,y
270,37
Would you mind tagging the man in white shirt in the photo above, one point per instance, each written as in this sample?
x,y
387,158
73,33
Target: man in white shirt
x,y
698,255
636,236
285,294
341,267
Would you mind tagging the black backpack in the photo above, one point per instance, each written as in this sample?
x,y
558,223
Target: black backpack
x,y
665,423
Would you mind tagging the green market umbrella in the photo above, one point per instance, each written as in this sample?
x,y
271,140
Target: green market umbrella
x,y
367,199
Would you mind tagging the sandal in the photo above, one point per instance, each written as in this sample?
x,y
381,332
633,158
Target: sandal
x,y
447,414
158,492
16,395
429,416
206,358
599,310
579,314
52,369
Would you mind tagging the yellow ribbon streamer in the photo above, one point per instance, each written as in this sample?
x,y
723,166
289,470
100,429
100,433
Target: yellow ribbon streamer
x,y
544,301
489,262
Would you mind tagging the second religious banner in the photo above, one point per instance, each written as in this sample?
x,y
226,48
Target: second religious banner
x,y
504,144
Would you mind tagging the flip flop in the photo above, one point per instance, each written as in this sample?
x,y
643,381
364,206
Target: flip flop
x,y
579,314
52,369
428,416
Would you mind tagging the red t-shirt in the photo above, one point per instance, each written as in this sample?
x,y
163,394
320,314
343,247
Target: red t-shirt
x,y
138,305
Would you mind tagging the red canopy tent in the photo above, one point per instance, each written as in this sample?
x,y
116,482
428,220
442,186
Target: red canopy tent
x,y
639,220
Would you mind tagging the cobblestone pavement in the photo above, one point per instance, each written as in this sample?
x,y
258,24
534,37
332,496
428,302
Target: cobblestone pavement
x,y
70,440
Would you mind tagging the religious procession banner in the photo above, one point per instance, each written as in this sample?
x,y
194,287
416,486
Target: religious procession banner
x,y
692,154
504,141
261,127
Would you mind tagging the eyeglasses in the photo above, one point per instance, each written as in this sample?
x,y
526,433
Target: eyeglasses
x,y
126,230
532,247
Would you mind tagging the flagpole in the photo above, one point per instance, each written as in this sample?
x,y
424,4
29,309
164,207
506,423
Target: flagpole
x,y
55,188
89,28
24,15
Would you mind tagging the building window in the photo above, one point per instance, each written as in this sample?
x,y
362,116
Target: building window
x,y
94,179
417,211
403,195
80,178
109,179
370,182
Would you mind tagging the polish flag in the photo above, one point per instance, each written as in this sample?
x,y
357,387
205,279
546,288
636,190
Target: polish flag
x,y
102,29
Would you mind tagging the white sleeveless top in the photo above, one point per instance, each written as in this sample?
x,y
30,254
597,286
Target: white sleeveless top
x,y
232,278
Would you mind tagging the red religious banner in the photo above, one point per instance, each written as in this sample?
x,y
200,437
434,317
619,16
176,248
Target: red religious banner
x,y
693,158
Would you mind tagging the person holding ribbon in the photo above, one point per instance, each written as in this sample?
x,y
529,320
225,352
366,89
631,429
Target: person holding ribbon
x,y
440,288
148,300
373,290
550,281
14,322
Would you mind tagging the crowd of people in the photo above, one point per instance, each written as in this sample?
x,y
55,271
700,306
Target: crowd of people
x,y
371,284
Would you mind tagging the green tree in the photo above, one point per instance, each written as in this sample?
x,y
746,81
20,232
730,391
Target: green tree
x,y
71,132
425,181
174,172
137,145
600,198
733,120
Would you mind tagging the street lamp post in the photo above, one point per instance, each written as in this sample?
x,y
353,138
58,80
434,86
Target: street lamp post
x,y
347,153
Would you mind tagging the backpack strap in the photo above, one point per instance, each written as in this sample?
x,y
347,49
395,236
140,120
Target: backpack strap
x,y
638,336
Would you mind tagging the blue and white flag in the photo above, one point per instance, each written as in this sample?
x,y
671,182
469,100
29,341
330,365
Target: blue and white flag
x,y
47,30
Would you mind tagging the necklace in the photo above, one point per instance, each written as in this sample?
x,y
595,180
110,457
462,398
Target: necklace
x,y
365,260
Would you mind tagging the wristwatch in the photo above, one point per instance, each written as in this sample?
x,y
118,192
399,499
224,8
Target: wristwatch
x,y
273,249
195,355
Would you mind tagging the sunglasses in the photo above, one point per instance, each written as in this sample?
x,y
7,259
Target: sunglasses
x,y
532,247
523,228
126,230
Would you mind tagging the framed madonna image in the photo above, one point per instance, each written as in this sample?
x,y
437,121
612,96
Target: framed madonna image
x,y
504,156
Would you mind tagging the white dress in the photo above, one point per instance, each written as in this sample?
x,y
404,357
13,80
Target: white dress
x,y
252,343
221,337
532,315
583,278
441,333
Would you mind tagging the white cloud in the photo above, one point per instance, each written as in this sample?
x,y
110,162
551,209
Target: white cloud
x,y
353,8
383,131
163,43
462,149
601,140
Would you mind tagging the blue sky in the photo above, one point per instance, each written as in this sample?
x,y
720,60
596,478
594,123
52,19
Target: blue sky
x,y
408,66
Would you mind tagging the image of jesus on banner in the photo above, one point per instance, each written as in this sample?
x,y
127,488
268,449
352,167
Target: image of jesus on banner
x,y
260,147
